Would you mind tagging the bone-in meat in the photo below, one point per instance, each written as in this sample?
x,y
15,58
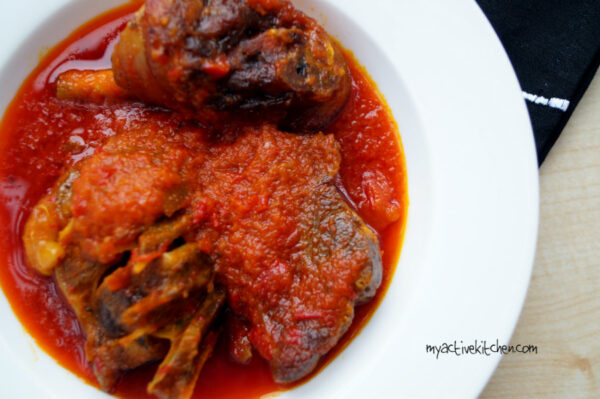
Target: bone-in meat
x,y
215,59
151,232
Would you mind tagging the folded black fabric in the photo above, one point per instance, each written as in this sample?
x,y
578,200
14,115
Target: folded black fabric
x,y
554,46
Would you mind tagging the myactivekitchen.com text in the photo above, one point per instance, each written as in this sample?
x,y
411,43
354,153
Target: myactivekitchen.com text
x,y
483,348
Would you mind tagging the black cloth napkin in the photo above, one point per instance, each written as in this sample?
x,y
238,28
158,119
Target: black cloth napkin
x,y
554,46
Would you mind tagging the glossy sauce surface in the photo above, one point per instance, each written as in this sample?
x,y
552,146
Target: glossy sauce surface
x,y
39,135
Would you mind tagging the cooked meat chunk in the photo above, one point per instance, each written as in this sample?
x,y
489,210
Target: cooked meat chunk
x,y
77,280
47,226
124,317
178,373
92,86
294,257
128,298
150,227
209,57
137,174
144,296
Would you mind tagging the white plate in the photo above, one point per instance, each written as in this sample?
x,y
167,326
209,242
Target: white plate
x,y
473,187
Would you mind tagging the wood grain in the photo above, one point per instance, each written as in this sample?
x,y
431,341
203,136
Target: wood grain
x,y
562,312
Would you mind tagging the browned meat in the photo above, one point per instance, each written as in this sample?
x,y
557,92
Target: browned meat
x,y
294,257
178,373
128,299
137,231
143,297
125,317
91,86
77,279
207,56
146,178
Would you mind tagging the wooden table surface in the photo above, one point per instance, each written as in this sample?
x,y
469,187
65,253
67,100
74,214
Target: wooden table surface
x,y
562,312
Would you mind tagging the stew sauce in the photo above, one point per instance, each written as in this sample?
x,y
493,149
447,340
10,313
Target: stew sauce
x,y
39,135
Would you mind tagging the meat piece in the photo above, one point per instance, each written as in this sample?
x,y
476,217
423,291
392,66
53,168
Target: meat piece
x,y
93,86
120,325
125,327
135,177
339,265
111,359
294,257
44,228
179,371
77,280
211,56
144,296
125,300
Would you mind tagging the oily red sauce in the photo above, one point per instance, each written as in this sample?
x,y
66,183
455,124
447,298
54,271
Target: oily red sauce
x,y
40,135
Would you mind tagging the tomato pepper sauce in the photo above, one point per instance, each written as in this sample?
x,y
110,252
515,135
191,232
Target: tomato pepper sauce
x,y
40,135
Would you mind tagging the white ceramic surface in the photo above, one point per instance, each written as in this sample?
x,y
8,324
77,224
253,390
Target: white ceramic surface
x,y
473,187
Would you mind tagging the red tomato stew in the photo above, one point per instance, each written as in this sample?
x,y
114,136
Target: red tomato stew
x,y
42,136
